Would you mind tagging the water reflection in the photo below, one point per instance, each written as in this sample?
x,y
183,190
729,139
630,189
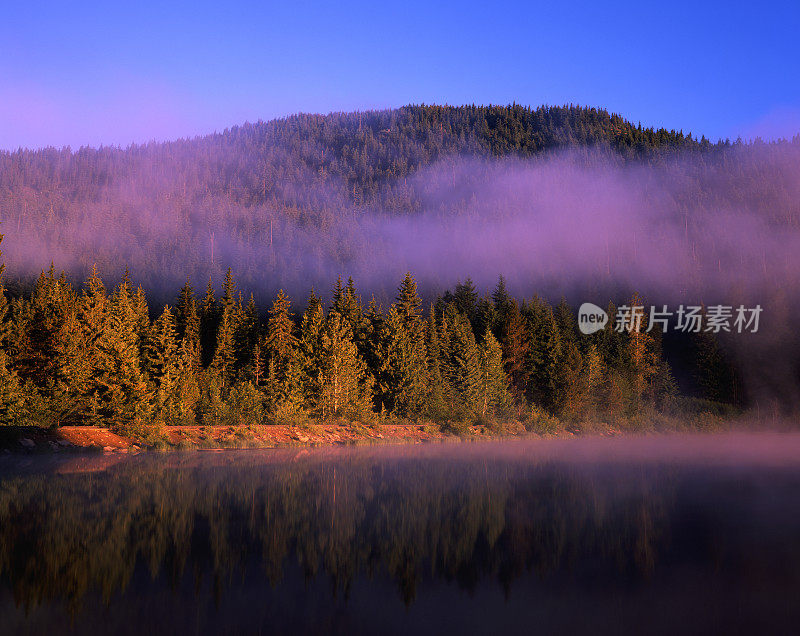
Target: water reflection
x,y
469,538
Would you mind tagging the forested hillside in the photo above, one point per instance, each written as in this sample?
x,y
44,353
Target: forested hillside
x,y
561,201
286,203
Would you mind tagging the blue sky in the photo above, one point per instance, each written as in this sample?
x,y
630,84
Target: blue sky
x,y
91,73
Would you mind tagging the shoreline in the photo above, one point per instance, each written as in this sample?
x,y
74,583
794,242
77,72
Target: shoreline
x,y
33,440
76,439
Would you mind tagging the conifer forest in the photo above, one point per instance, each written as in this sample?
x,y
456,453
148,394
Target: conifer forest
x,y
399,318
270,339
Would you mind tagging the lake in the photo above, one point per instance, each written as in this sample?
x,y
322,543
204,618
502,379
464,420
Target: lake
x,y
659,535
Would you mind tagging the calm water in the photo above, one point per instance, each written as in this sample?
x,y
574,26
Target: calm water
x,y
656,535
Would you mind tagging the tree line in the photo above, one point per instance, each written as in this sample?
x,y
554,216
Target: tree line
x,y
95,356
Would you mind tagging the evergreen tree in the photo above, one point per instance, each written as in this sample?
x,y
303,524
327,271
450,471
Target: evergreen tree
x,y
280,341
544,354
460,362
408,302
351,306
162,364
501,298
284,365
224,360
310,349
641,355
119,392
372,347
52,353
713,372
209,321
343,387
465,298
510,327
187,320
570,390
313,302
12,396
493,382
188,381
141,315
436,397
485,316
247,336
403,363
566,324
5,325
228,299
337,303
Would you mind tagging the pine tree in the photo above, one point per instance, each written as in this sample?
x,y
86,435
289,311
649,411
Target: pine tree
x,y
403,368
313,302
465,298
570,391
713,371
280,341
493,381
514,342
501,299
372,347
593,377
187,327
5,326
403,363
12,396
188,381
228,299
284,366
343,385
162,365
257,364
485,316
643,363
209,322
224,360
52,353
408,302
141,316
310,350
436,396
247,335
187,320
337,303
119,392
351,308
566,324
544,354
460,362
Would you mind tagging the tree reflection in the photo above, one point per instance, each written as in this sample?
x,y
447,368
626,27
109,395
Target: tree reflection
x,y
360,514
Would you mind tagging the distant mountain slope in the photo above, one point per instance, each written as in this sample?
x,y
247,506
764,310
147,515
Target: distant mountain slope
x,y
249,163
284,201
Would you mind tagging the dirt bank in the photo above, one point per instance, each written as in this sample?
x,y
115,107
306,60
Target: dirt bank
x,y
276,436
28,439
32,439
